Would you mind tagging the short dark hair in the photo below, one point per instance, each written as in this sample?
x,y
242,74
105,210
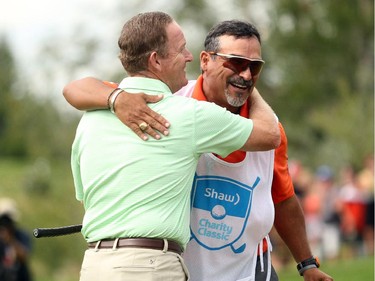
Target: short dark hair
x,y
140,36
236,28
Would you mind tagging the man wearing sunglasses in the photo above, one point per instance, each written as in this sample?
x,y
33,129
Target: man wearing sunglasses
x,y
235,200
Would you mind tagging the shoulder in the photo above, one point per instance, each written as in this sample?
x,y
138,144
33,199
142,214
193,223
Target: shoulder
x,y
187,91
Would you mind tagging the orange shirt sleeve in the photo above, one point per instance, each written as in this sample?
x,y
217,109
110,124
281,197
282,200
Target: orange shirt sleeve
x,y
282,185
111,84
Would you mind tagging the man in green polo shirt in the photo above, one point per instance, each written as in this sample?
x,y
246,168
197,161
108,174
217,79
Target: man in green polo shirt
x,y
136,194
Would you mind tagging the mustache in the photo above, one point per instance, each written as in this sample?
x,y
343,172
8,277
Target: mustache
x,y
240,81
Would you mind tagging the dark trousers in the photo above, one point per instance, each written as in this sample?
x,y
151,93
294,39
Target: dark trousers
x,y
261,276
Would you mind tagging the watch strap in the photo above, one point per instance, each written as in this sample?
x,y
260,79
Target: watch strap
x,y
312,262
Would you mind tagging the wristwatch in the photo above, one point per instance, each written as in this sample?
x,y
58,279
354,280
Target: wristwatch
x,y
304,265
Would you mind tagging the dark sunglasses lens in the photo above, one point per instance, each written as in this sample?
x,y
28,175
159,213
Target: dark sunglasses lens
x,y
238,65
255,67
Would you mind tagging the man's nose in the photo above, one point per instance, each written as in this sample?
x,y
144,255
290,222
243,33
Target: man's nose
x,y
246,74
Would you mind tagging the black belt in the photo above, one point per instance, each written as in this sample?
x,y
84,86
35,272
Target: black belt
x,y
149,243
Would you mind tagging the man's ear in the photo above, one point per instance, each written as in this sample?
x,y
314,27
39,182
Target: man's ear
x,y
154,61
204,59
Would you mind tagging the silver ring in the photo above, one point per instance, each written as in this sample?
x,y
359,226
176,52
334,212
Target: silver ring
x,y
143,126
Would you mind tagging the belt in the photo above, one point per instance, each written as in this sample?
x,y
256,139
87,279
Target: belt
x,y
150,243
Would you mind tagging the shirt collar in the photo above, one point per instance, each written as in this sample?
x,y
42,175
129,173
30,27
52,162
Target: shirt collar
x,y
146,85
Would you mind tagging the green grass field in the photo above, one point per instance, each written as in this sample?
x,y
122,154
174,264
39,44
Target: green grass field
x,y
359,269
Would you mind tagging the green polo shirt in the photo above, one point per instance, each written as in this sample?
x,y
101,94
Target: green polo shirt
x,y
135,188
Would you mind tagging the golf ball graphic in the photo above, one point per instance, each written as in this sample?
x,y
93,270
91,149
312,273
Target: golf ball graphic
x,y
218,212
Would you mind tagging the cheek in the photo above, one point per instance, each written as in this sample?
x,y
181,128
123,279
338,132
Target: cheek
x,y
222,78
218,77
217,72
179,65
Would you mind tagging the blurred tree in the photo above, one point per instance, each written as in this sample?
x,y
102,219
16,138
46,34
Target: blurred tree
x,y
10,143
322,78
195,25
29,127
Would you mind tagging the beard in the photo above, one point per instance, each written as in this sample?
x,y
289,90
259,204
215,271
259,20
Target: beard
x,y
238,99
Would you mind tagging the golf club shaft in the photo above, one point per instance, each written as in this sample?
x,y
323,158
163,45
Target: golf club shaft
x,y
57,231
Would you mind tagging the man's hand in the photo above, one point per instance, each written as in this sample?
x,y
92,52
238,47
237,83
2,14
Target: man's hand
x,y
92,94
132,110
315,274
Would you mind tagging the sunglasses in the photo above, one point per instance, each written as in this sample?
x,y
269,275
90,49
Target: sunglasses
x,y
239,64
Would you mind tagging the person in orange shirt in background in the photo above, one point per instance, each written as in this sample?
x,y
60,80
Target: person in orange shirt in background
x,y
226,240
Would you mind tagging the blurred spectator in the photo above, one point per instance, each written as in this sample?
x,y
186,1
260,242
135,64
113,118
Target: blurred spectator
x,y
326,192
352,213
339,213
310,198
7,268
301,178
365,181
15,244
312,206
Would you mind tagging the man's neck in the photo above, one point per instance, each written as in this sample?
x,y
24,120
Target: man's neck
x,y
145,74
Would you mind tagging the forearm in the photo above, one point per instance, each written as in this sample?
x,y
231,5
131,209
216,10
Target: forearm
x,y
87,94
290,225
266,133
90,94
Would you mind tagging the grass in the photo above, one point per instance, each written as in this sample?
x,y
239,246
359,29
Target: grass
x,y
45,196
357,269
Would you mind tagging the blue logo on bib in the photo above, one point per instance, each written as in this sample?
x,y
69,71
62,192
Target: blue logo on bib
x,y
220,208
